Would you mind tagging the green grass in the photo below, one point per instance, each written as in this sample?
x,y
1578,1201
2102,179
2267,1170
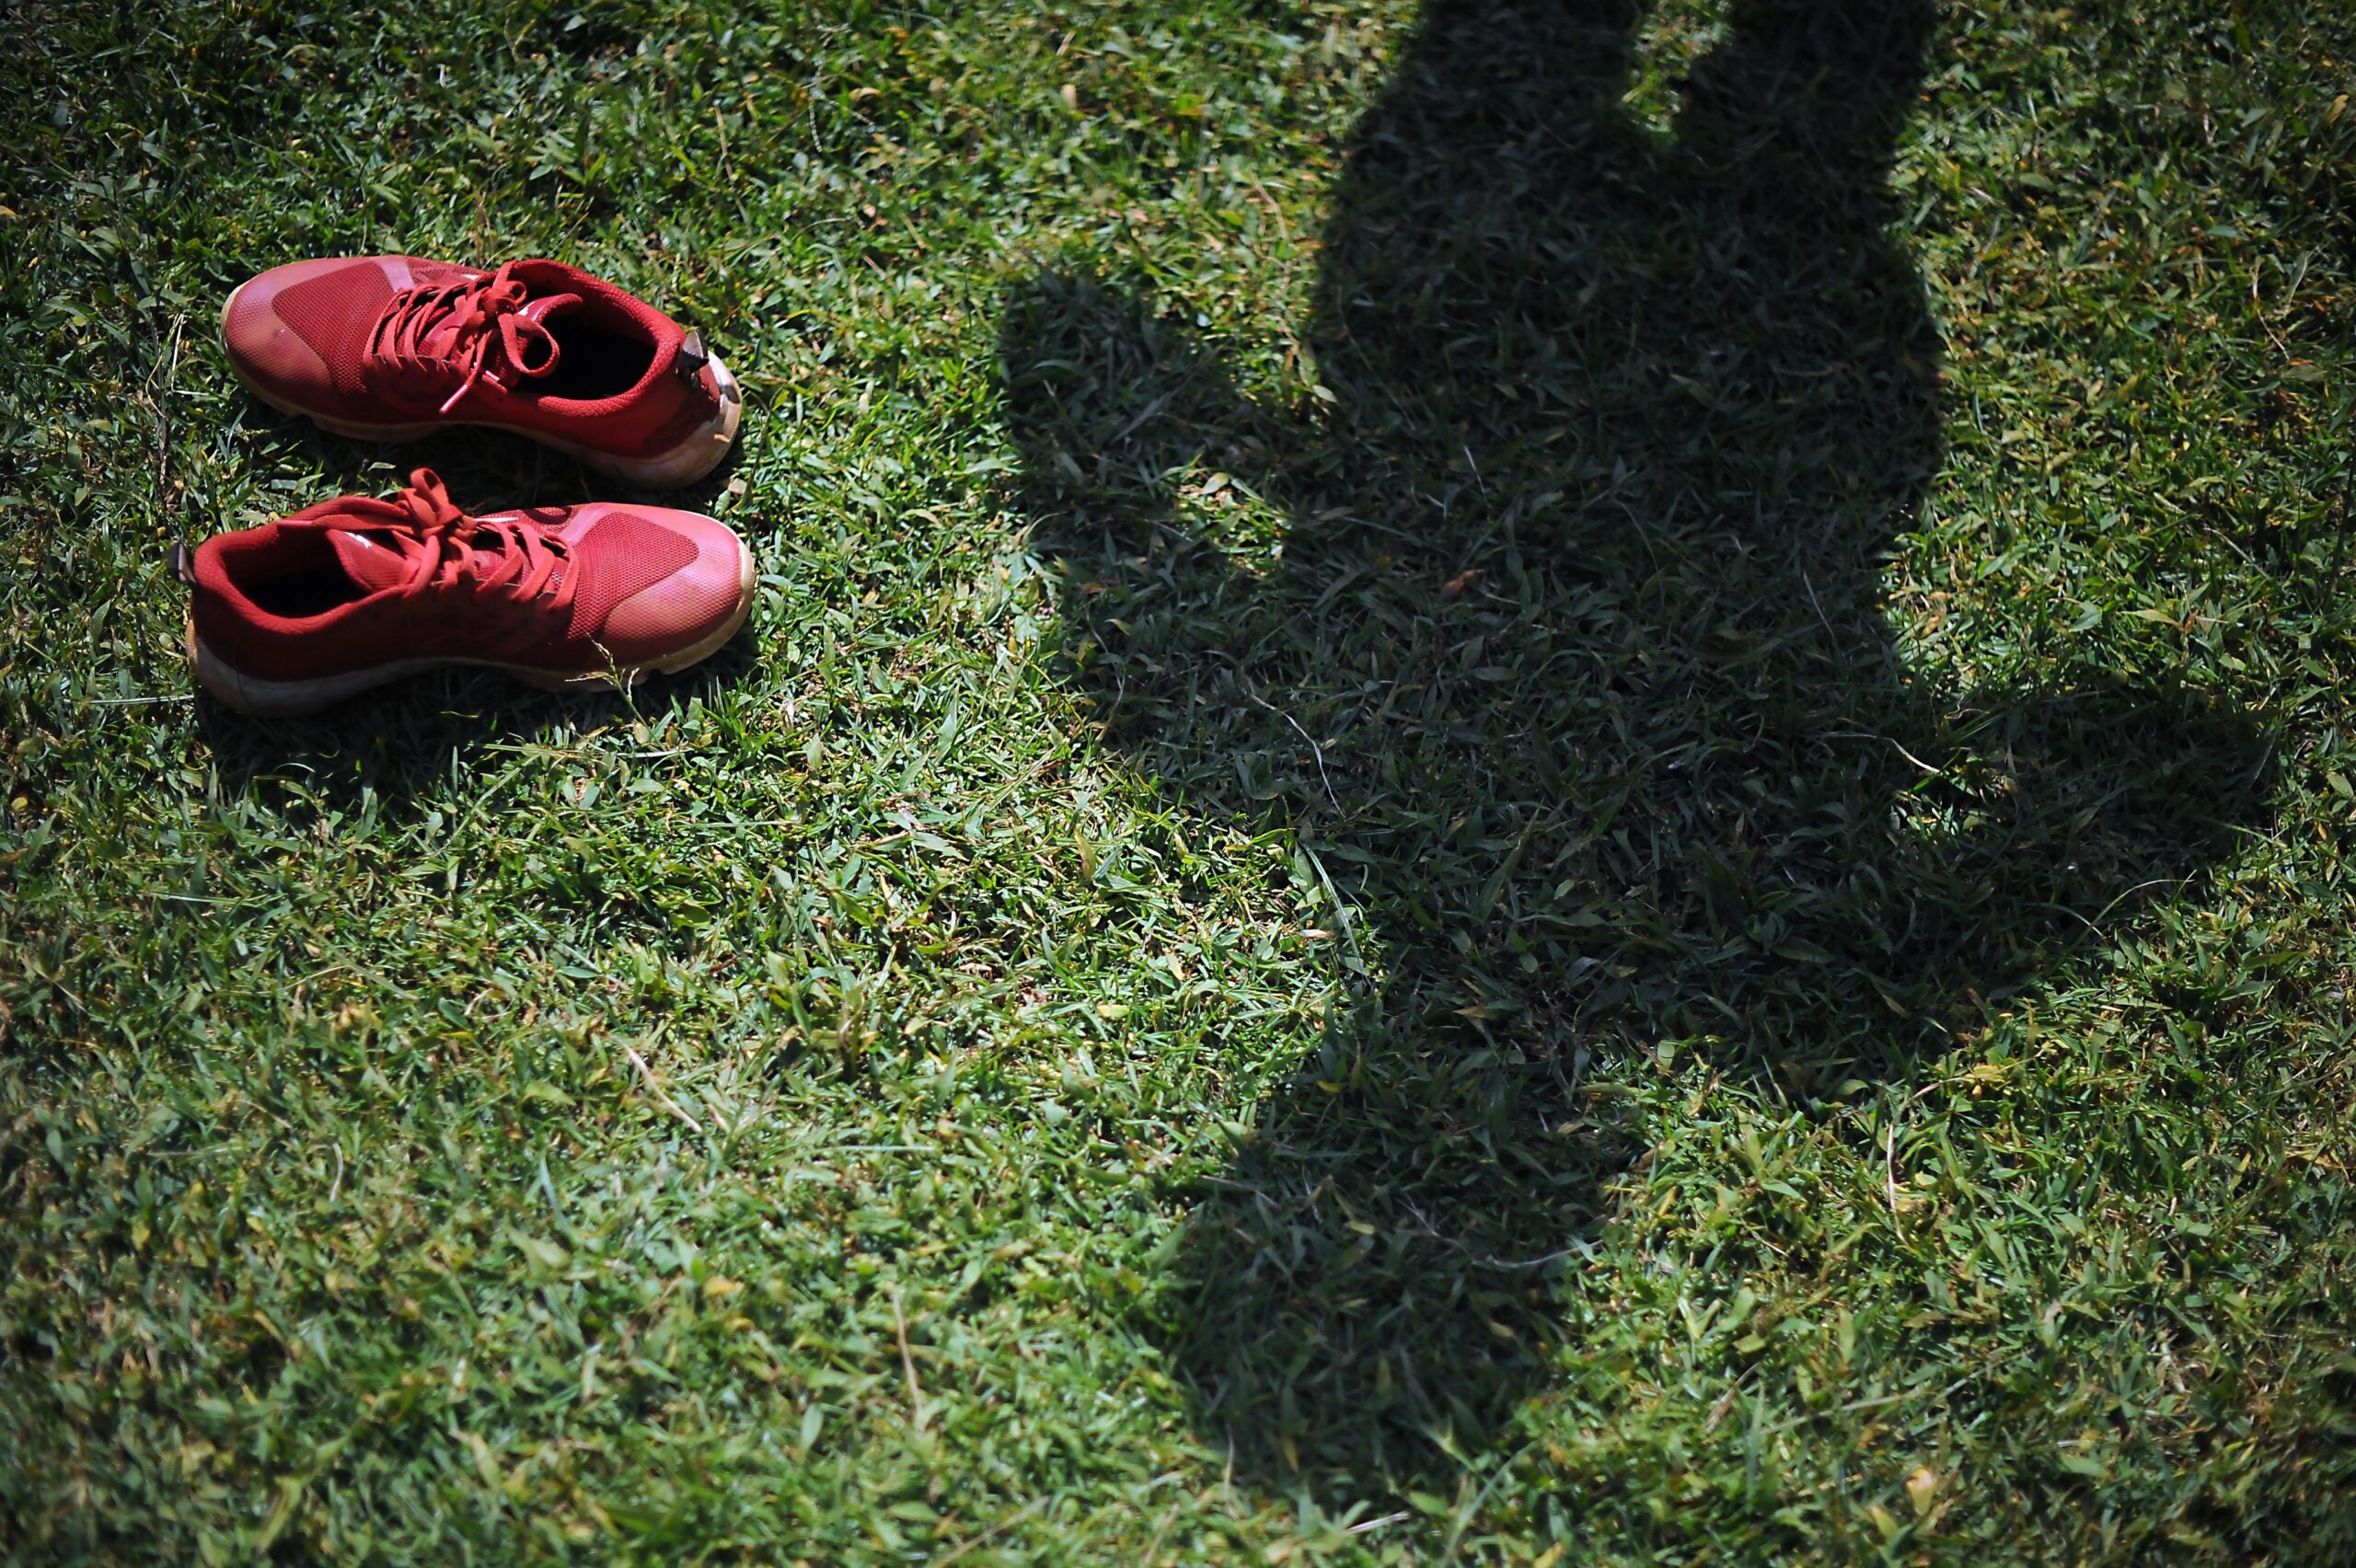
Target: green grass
x,y
1548,783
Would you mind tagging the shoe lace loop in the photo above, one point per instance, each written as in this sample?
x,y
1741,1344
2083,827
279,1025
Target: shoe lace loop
x,y
481,314
446,547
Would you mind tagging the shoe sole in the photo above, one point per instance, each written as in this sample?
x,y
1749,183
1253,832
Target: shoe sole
x,y
288,699
682,465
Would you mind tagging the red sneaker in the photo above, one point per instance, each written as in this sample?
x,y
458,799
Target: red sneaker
x,y
308,610
387,348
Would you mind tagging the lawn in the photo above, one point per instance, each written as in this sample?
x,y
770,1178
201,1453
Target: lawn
x,y
1532,782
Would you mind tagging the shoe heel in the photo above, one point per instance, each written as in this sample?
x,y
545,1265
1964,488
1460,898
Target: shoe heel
x,y
698,455
280,699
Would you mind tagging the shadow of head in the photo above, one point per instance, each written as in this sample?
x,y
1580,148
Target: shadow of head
x,y
1539,592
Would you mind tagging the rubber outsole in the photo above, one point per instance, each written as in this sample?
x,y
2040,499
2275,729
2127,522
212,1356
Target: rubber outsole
x,y
288,699
698,455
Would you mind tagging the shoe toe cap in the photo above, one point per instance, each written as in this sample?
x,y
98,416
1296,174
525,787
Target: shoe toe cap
x,y
690,604
267,354
290,330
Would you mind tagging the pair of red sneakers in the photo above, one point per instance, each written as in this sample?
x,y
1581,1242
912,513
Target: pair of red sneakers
x,y
307,610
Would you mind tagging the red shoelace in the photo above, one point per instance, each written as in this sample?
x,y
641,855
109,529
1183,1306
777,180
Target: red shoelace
x,y
481,315
442,547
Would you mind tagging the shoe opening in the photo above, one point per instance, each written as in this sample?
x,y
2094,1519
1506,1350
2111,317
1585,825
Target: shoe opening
x,y
598,356
300,579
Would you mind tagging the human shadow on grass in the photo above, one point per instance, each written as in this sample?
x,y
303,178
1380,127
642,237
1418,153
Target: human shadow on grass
x,y
1557,636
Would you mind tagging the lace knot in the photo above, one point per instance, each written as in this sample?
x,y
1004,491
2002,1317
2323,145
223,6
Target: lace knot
x,y
467,324
444,548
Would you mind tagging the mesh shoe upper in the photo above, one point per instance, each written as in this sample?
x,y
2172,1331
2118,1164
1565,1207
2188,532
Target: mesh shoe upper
x,y
334,313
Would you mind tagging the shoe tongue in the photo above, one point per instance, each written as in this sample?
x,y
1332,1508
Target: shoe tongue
x,y
376,560
548,308
366,560
539,312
